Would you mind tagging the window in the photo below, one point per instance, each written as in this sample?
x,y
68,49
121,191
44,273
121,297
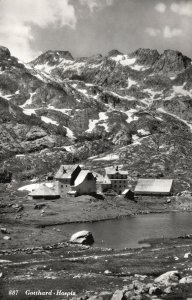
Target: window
x,y
61,185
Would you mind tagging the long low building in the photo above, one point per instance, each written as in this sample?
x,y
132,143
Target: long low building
x,y
154,187
44,192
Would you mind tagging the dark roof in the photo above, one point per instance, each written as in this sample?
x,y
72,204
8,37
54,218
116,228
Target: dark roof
x,y
65,171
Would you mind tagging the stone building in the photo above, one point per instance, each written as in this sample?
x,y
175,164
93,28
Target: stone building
x,y
85,183
117,179
71,179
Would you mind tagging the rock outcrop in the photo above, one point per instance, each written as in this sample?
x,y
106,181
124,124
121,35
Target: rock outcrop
x,y
83,237
172,61
168,278
126,106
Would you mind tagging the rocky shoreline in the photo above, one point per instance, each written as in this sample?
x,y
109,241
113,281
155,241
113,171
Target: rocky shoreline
x,y
38,256
111,218
162,271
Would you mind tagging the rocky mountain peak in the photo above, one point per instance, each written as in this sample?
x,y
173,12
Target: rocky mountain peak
x,y
66,106
114,52
52,57
96,56
4,52
145,56
172,61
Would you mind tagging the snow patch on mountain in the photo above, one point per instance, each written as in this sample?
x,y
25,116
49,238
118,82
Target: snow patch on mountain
x,y
124,60
101,122
45,67
39,77
48,120
103,117
179,89
130,113
72,65
70,133
143,132
83,91
120,97
29,111
7,97
89,84
29,101
66,111
92,124
70,149
110,156
94,66
131,82
135,137
139,67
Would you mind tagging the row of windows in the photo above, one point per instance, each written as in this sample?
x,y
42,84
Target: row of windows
x,y
118,187
116,176
119,182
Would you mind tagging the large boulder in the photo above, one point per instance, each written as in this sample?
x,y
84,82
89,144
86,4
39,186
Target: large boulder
x,y
118,295
185,280
168,278
83,237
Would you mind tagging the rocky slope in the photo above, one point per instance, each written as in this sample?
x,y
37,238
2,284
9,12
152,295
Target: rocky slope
x,y
134,108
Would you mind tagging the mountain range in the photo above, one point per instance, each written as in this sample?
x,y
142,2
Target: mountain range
x,y
134,110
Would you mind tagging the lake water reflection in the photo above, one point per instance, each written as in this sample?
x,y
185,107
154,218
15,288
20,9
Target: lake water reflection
x,y
127,232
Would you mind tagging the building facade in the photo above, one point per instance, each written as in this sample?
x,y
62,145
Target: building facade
x,y
71,179
85,183
118,179
65,178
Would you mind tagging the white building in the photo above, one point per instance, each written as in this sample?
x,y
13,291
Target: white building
x,y
71,179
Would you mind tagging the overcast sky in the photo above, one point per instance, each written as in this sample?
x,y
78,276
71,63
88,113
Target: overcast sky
x,y
86,27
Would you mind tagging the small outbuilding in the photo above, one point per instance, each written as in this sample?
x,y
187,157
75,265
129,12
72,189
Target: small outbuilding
x,y
128,194
44,192
154,187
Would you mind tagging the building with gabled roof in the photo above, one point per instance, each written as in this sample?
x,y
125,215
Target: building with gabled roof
x,y
44,192
154,187
71,179
66,171
127,193
85,183
65,178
